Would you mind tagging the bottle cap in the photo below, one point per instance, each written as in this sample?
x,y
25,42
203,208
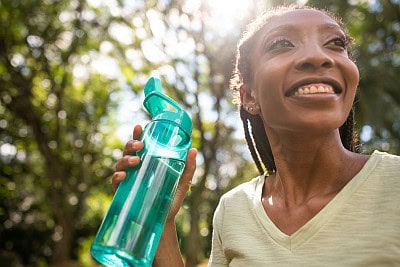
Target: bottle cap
x,y
162,107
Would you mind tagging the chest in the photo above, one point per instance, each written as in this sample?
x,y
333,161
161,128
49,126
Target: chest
x,y
370,232
289,219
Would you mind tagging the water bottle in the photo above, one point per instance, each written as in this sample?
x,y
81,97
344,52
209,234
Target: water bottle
x,y
131,229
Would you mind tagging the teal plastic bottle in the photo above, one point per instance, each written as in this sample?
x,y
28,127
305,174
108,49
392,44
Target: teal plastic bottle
x,y
131,229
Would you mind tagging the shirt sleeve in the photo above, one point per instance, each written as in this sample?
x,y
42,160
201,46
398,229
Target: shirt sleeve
x,y
217,257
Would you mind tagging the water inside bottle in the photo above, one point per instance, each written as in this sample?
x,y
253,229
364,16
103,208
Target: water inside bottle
x,y
143,203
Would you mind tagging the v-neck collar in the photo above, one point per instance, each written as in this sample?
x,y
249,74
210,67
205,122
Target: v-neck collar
x,y
323,216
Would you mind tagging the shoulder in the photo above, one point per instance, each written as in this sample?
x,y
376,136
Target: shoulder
x,y
386,164
244,190
382,175
236,207
240,197
386,155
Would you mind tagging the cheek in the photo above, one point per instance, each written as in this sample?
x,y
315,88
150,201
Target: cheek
x,y
352,76
268,98
268,87
272,107
267,81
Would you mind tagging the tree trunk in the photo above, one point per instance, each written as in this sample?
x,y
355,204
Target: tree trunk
x,y
192,244
62,248
63,213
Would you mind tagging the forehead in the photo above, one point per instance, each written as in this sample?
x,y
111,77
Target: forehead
x,y
302,18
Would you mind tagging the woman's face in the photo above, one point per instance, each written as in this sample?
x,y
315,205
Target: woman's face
x,y
302,76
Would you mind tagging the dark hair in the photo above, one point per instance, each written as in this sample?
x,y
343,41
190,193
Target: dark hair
x,y
254,130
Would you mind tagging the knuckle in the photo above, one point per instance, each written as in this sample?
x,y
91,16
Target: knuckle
x,y
128,147
116,168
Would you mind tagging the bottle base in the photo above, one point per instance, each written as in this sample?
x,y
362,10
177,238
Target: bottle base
x,y
112,257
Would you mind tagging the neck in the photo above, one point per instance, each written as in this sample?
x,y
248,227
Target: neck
x,y
310,165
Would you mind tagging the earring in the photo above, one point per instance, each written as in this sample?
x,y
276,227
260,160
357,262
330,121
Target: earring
x,y
250,108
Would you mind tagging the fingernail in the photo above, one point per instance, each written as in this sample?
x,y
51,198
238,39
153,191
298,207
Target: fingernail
x,y
136,144
132,159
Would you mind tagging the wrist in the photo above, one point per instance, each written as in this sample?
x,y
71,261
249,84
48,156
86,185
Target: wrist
x,y
168,253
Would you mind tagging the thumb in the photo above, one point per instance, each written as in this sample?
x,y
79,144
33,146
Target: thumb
x,y
187,175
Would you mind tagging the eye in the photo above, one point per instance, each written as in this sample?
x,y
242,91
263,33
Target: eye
x,y
340,42
280,43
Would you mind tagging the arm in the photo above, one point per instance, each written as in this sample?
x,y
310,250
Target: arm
x,y
168,253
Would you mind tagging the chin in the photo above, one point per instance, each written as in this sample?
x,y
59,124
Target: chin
x,y
319,125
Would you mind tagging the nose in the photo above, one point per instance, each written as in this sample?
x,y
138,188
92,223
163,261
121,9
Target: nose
x,y
313,57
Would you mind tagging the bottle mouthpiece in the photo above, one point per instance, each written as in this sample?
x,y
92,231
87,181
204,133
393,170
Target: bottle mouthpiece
x,y
162,107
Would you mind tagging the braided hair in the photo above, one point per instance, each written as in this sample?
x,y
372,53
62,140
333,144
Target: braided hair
x,y
254,130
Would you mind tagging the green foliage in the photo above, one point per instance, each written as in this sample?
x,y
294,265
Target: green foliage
x,y
54,118
62,65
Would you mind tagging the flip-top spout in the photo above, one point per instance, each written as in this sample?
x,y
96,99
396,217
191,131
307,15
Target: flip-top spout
x,y
160,106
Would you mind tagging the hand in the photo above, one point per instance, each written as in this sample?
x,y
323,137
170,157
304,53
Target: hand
x,y
128,157
184,184
130,160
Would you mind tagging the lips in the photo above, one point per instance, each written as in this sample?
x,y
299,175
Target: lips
x,y
314,86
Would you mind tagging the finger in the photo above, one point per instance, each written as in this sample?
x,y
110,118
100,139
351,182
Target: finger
x,y
127,161
116,179
131,147
137,131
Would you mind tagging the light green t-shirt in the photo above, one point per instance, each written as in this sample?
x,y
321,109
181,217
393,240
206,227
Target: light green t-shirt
x,y
359,227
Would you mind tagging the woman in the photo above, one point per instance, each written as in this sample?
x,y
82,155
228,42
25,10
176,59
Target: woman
x,y
317,202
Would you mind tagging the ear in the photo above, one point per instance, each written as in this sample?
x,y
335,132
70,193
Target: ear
x,y
248,100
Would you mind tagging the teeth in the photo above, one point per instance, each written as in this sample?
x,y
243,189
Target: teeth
x,y
314,90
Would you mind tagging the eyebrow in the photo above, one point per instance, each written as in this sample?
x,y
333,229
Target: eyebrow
x,y
279,28
293,28
290,27
331,26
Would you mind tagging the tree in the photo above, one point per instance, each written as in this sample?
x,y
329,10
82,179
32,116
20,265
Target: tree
x,y
54,108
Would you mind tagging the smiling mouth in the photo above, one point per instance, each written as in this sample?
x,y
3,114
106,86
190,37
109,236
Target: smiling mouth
x,y
314,88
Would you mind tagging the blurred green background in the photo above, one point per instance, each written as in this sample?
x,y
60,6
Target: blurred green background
x,y
71,78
